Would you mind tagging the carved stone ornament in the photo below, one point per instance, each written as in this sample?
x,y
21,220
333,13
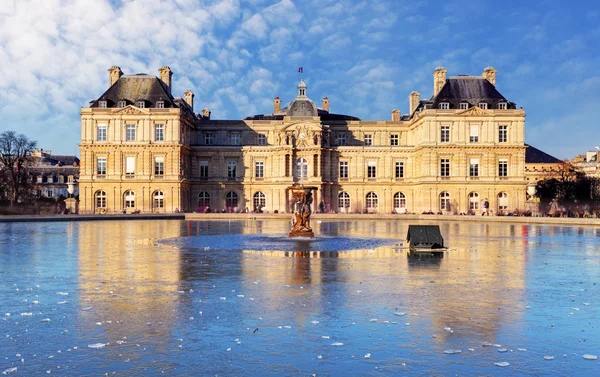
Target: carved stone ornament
x,y
475,110
130,110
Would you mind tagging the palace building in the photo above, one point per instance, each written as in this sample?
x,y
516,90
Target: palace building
x,y
142,149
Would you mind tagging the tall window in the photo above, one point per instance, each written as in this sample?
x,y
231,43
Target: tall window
x,y
315,165
140,104
502,134
302,167
464,105
399,169
445,167
287,165
371,169
341,139
231,199
474,167
473,201
159,166
259,169
203,169
503,167
394,140
371,200
444,106
474,133
399,200
122,104
369,139
129,167
103,104
262,139
208,138
158,199
50,193
101,136
231,169
445,134
204,199
483,105
444,201
502,201
130,132
502,106
100,199
159,132
343,200
235,138
344,169
160,104
260,201
101,166
129,199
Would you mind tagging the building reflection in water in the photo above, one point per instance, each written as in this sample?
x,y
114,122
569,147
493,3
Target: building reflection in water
x,y
130,287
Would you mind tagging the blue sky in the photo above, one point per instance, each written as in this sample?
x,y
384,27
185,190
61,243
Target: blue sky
x,y
365,56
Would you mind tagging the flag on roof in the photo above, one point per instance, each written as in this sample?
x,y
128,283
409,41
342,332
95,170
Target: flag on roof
x,y
300,69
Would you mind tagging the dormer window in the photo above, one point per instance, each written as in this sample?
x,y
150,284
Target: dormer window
x,y
483,105
122,104
444,106
102,104
160,104
140,104
464,105
502,106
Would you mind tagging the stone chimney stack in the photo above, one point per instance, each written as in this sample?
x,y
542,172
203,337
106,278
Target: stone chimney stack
x,y
325,104
395,115
206,113
414,99
489,73
439,79
189,98
114,74
165,75
276,105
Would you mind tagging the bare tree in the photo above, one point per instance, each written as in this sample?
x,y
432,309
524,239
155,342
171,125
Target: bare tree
x,y
15,158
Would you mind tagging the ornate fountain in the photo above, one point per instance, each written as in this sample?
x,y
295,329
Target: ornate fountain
x,y
301,200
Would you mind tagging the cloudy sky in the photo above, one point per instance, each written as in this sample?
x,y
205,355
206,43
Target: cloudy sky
x,y
365,55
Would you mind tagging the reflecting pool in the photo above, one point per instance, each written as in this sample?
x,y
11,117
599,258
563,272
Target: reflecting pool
x,y
238,298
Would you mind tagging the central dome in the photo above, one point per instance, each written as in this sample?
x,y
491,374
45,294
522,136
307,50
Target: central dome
x,y
302,106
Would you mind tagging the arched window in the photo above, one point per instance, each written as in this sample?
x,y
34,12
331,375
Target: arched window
x,y
260,201
158,199
502,201
343,200
371,200
204,199
100,199
473,201
444,201
302,167
231,199
129,199
399,200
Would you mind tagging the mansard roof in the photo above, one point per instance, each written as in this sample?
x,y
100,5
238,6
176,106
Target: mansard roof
x,y
137,87
325,116
470,89
536,156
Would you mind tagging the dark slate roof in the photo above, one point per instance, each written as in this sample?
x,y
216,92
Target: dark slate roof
x,y
133,88
536,156
325,116
470,89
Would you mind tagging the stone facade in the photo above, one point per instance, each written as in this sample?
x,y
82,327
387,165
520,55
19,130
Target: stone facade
x,y
144,150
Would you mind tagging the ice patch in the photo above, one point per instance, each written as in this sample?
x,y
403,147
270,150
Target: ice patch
x,y
590,357
97,345
337,344
502,364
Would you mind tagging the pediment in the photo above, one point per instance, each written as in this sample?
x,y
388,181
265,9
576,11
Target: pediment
x,y
475,110
303,127
131,110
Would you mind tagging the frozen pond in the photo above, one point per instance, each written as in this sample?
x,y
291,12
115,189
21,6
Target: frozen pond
x,y
237,298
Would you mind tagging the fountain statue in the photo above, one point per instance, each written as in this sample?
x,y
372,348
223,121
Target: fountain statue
x,y
301,201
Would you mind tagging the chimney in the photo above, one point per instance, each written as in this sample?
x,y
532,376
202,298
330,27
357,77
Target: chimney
x,y
206,113
114,73
325,104
395,115
414,98
439,79
276,105
188,95
165,76
489,73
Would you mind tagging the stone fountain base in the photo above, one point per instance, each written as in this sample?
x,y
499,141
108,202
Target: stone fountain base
x,y
302,199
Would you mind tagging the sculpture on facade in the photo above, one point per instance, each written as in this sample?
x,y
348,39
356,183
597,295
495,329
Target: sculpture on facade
x,y
302,200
